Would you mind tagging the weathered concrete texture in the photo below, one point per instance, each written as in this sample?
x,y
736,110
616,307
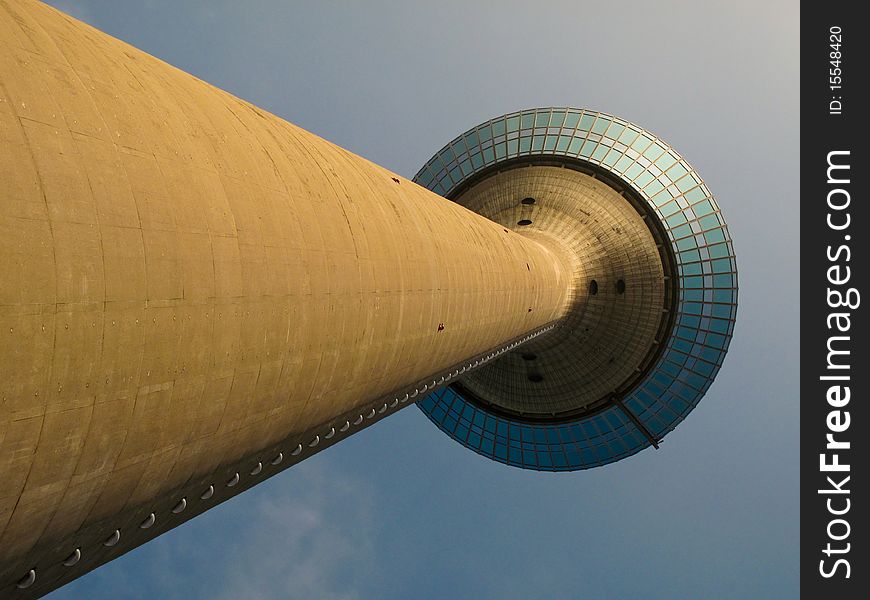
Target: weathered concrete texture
x,y
186,279
607,335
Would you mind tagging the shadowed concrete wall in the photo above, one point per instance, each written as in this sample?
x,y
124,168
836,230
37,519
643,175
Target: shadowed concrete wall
x,y
186,279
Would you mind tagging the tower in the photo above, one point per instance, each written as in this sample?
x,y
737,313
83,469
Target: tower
x,y
196,294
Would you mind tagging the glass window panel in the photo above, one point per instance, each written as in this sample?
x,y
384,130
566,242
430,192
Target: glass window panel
x,y
571,120
628,136
643,180
665,161
528,120
525,144
633,171
599,153
716,235
601,125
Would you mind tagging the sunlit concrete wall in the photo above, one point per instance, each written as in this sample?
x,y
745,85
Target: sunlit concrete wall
x,y
186,279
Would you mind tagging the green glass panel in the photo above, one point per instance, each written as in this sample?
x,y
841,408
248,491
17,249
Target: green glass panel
x,y
541,119
601,125
556,118
588,147
712,237
654,188
628,136
641,143
723,311
719,251
525,144
690,256
662,197
571,120
686,244
654,151
528,120
681,231
665,161
676,172
586,121
685,184
695,195
719,325
722,281
702,208
709,222
612,157
623,163
600,152
722,265
574,146
498,128
426,177
633,171
615,130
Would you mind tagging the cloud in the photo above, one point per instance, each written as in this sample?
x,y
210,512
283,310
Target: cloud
x,y
298,548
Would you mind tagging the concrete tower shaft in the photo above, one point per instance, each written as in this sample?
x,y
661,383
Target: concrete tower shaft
x,y
188,282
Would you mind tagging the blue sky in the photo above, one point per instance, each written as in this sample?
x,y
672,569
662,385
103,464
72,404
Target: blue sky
x,y
399,510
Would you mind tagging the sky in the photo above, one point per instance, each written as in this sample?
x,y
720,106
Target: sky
x,y
400,510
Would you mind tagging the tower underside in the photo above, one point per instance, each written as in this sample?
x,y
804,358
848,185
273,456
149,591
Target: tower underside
x,y
621,300
653,301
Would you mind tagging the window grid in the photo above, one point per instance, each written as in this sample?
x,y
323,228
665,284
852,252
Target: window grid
x,y
706,269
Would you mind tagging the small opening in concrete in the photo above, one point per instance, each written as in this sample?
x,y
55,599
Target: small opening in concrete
x,y
529,356
112,539
73,558
593,287
620,286
536,377
148,522
527,201
524,222
26,581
